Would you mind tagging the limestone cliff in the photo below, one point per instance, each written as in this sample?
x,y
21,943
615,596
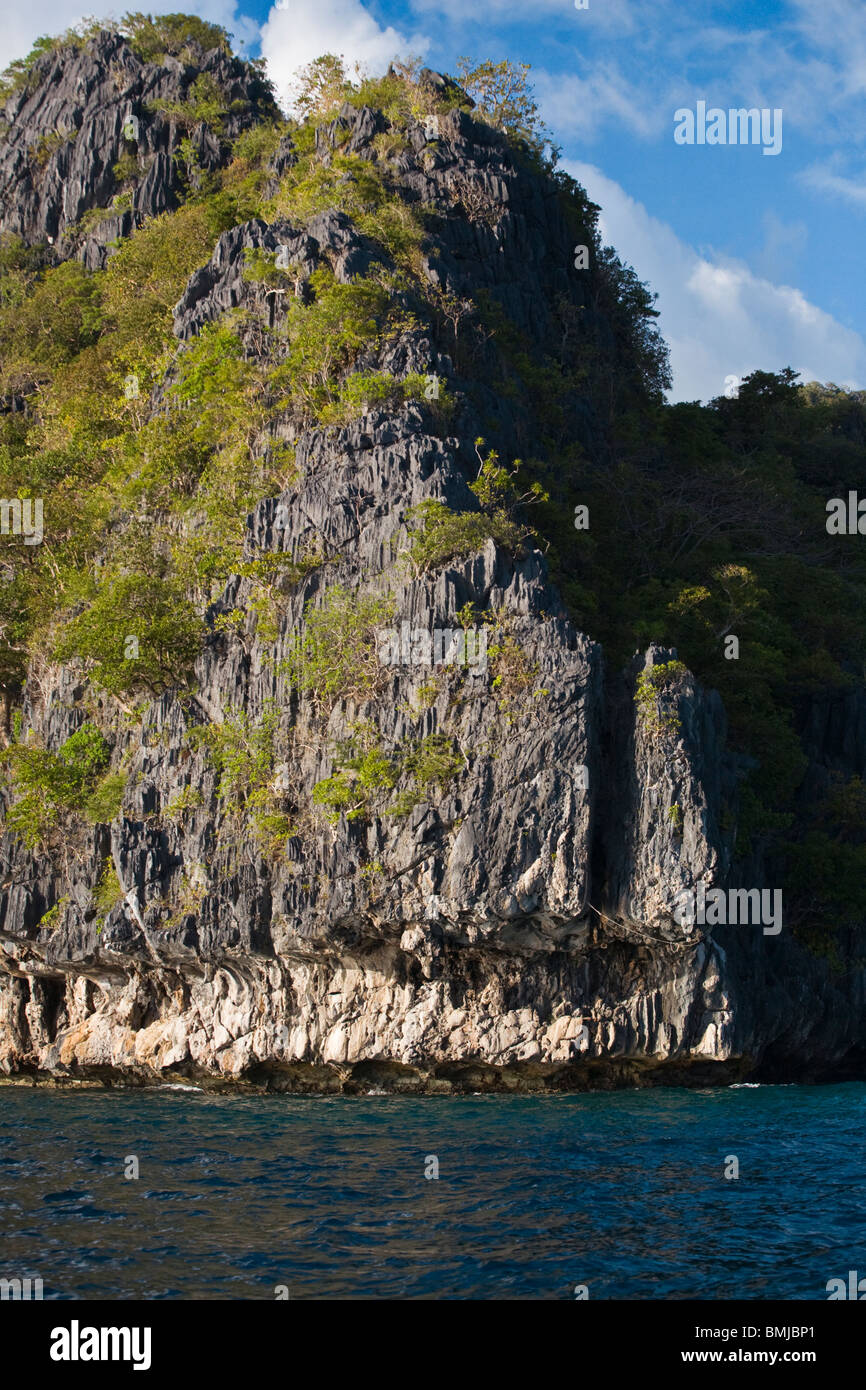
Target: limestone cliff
x,y
495,907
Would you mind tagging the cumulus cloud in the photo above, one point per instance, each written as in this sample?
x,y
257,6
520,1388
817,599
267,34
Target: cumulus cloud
x,y
719,318
294,36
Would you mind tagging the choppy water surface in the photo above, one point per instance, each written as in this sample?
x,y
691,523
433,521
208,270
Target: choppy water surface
x,y
623,1192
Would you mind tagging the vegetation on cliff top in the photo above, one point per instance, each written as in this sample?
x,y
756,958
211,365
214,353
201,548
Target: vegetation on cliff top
x,y
151,39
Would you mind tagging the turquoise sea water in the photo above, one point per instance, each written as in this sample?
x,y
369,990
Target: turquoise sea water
x,y
622,1192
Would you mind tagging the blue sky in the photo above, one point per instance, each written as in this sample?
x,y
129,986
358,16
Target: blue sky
x,y
756,259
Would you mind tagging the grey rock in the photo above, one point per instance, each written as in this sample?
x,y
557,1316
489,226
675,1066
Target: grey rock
x,y
516,929
90,108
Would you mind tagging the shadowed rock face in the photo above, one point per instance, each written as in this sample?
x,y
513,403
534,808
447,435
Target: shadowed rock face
x,y
516,927
84,111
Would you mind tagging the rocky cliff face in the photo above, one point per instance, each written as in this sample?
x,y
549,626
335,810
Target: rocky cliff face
x,y
97,131
513,923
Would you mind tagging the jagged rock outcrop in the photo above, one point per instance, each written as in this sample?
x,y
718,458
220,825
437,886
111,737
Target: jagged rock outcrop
x,y
517,926
83,112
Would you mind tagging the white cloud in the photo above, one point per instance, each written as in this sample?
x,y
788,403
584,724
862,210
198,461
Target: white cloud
x,y
827,178
837,27
719,318
784,246
293,37
579,107
622,16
